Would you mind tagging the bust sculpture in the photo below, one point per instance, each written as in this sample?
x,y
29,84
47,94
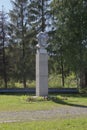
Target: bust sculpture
x,y
42,40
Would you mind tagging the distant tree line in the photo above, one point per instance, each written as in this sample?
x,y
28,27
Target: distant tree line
x,y
66,23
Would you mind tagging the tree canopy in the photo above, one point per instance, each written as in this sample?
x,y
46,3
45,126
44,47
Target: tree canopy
x,y
66,23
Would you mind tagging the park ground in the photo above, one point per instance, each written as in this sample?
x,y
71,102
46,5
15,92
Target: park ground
x,y
59,112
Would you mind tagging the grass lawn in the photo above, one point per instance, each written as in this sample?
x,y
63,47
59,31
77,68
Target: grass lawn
x,y
19,103
63,124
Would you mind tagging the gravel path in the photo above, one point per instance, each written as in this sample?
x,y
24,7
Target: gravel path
x,y
42,114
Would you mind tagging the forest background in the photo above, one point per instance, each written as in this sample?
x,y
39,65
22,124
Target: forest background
x,y
66,24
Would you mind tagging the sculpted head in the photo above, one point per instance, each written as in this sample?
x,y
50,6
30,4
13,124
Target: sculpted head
x,y
42,39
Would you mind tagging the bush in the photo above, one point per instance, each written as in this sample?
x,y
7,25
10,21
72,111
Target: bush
x,y
31,84
55,81
37,99
83,90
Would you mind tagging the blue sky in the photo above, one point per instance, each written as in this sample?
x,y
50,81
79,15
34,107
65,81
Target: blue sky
x,y
6,4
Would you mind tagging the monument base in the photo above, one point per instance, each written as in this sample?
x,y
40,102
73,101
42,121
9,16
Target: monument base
x,y
41,74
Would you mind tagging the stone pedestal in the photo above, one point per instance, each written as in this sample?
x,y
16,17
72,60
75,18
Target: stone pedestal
x,y
42,65
41,74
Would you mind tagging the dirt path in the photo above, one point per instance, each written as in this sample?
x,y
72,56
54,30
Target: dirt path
x,y
42,114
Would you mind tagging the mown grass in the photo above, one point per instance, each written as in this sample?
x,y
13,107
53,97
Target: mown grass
x,y
20,103
56,124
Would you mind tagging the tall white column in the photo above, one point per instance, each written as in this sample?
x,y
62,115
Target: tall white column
x,y
42,66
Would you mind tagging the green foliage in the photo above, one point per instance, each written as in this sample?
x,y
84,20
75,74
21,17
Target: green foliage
x,y
3,44
83,90
39,14
70,39
1,83
67,41
21,49
31,84
37,99
71,81
11,84
55,81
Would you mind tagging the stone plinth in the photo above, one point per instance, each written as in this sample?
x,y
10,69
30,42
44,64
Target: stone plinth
x,y
42,65
41,74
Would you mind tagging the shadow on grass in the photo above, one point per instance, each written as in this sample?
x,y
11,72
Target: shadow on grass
x,y
64,100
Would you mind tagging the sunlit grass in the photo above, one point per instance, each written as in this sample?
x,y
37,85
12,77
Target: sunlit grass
x,y
19,102
56,124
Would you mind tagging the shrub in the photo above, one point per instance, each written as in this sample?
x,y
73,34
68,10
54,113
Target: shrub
x,y
83,90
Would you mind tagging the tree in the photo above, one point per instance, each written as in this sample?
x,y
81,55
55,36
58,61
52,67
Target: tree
x,y
18,31
71,32
58,45
3,46
40,14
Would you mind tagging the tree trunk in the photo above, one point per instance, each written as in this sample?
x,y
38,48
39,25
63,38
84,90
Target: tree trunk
x,y
43,19
4,58
62,71
63,79
23,49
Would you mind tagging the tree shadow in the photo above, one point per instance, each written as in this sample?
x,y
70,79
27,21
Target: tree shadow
x,y
63,101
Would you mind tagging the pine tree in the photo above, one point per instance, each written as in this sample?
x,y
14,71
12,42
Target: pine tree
x,y
3,46
40,15
18,32
57,42
71,22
